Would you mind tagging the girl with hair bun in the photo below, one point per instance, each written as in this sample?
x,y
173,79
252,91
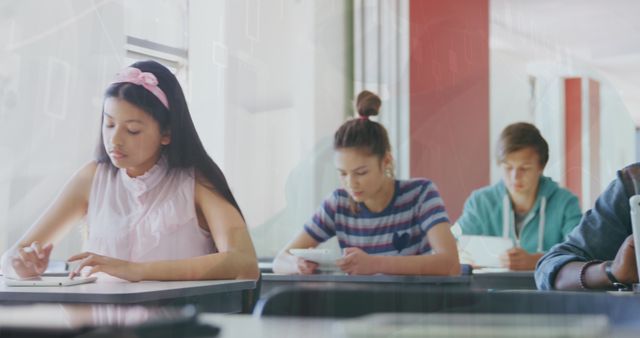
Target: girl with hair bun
x,y
384,225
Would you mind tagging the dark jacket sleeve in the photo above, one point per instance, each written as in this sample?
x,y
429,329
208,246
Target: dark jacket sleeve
x,y
598,236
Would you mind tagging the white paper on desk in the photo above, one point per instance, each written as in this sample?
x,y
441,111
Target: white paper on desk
x,y
325,258
482,251
490,270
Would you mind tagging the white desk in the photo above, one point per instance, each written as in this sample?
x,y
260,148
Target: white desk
x,y
375,279
212,296
246,326
242,326
272,281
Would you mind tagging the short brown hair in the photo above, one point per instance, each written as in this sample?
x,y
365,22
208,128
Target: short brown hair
x,y
522,135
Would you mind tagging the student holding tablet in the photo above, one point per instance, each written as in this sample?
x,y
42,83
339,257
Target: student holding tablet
x,y
383,225
525,206
599,253
156,205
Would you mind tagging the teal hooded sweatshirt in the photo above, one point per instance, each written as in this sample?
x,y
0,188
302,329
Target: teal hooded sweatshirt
x,y
555,213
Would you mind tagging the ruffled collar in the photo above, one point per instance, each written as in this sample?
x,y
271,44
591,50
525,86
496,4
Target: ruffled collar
x,y
143,183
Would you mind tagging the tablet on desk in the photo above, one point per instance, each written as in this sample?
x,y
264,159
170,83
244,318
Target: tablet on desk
x,y
49,281
483,251
325,258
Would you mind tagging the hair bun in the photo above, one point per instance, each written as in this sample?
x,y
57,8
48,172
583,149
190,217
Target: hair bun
x,y
368,104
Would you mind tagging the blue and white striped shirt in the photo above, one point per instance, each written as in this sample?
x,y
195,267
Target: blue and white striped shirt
x,y
399,230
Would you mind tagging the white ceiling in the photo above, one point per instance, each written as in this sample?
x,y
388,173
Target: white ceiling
x,y
603,35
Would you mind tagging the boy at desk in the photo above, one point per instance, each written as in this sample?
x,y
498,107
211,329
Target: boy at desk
x,y
525,206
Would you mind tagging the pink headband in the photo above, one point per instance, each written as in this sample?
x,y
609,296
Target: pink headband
x,y
147,80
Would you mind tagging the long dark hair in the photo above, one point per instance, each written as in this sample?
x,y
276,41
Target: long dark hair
x,y
186,149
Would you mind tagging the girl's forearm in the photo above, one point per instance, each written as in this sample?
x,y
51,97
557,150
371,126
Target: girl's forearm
x,y
224,265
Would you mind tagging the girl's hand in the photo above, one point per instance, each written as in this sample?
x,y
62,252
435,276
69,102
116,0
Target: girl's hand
x,y
30,261
357,262
624,265
115,267
306,267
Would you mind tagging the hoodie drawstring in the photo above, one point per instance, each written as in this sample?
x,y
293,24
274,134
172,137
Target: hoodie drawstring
x,y
506,220
543,206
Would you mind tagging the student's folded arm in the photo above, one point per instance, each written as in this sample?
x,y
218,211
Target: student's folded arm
x,y
236,257
609,218
442,262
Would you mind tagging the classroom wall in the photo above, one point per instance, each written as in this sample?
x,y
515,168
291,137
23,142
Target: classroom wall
x,y
526,89
617,135
163,22
208,63
449,97
52,75
528,84
268,82
509,99
287,88
54,69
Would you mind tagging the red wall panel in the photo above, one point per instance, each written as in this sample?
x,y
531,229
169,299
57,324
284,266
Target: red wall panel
x,y
573,135
449,96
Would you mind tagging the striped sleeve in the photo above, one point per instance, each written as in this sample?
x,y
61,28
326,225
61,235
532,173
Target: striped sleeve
x,y
431,210
322,225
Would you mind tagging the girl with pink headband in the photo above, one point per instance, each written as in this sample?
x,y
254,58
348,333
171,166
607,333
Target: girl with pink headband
x,y
157,207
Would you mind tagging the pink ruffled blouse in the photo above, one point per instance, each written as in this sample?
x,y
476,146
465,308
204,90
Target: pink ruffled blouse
x,y
147,218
